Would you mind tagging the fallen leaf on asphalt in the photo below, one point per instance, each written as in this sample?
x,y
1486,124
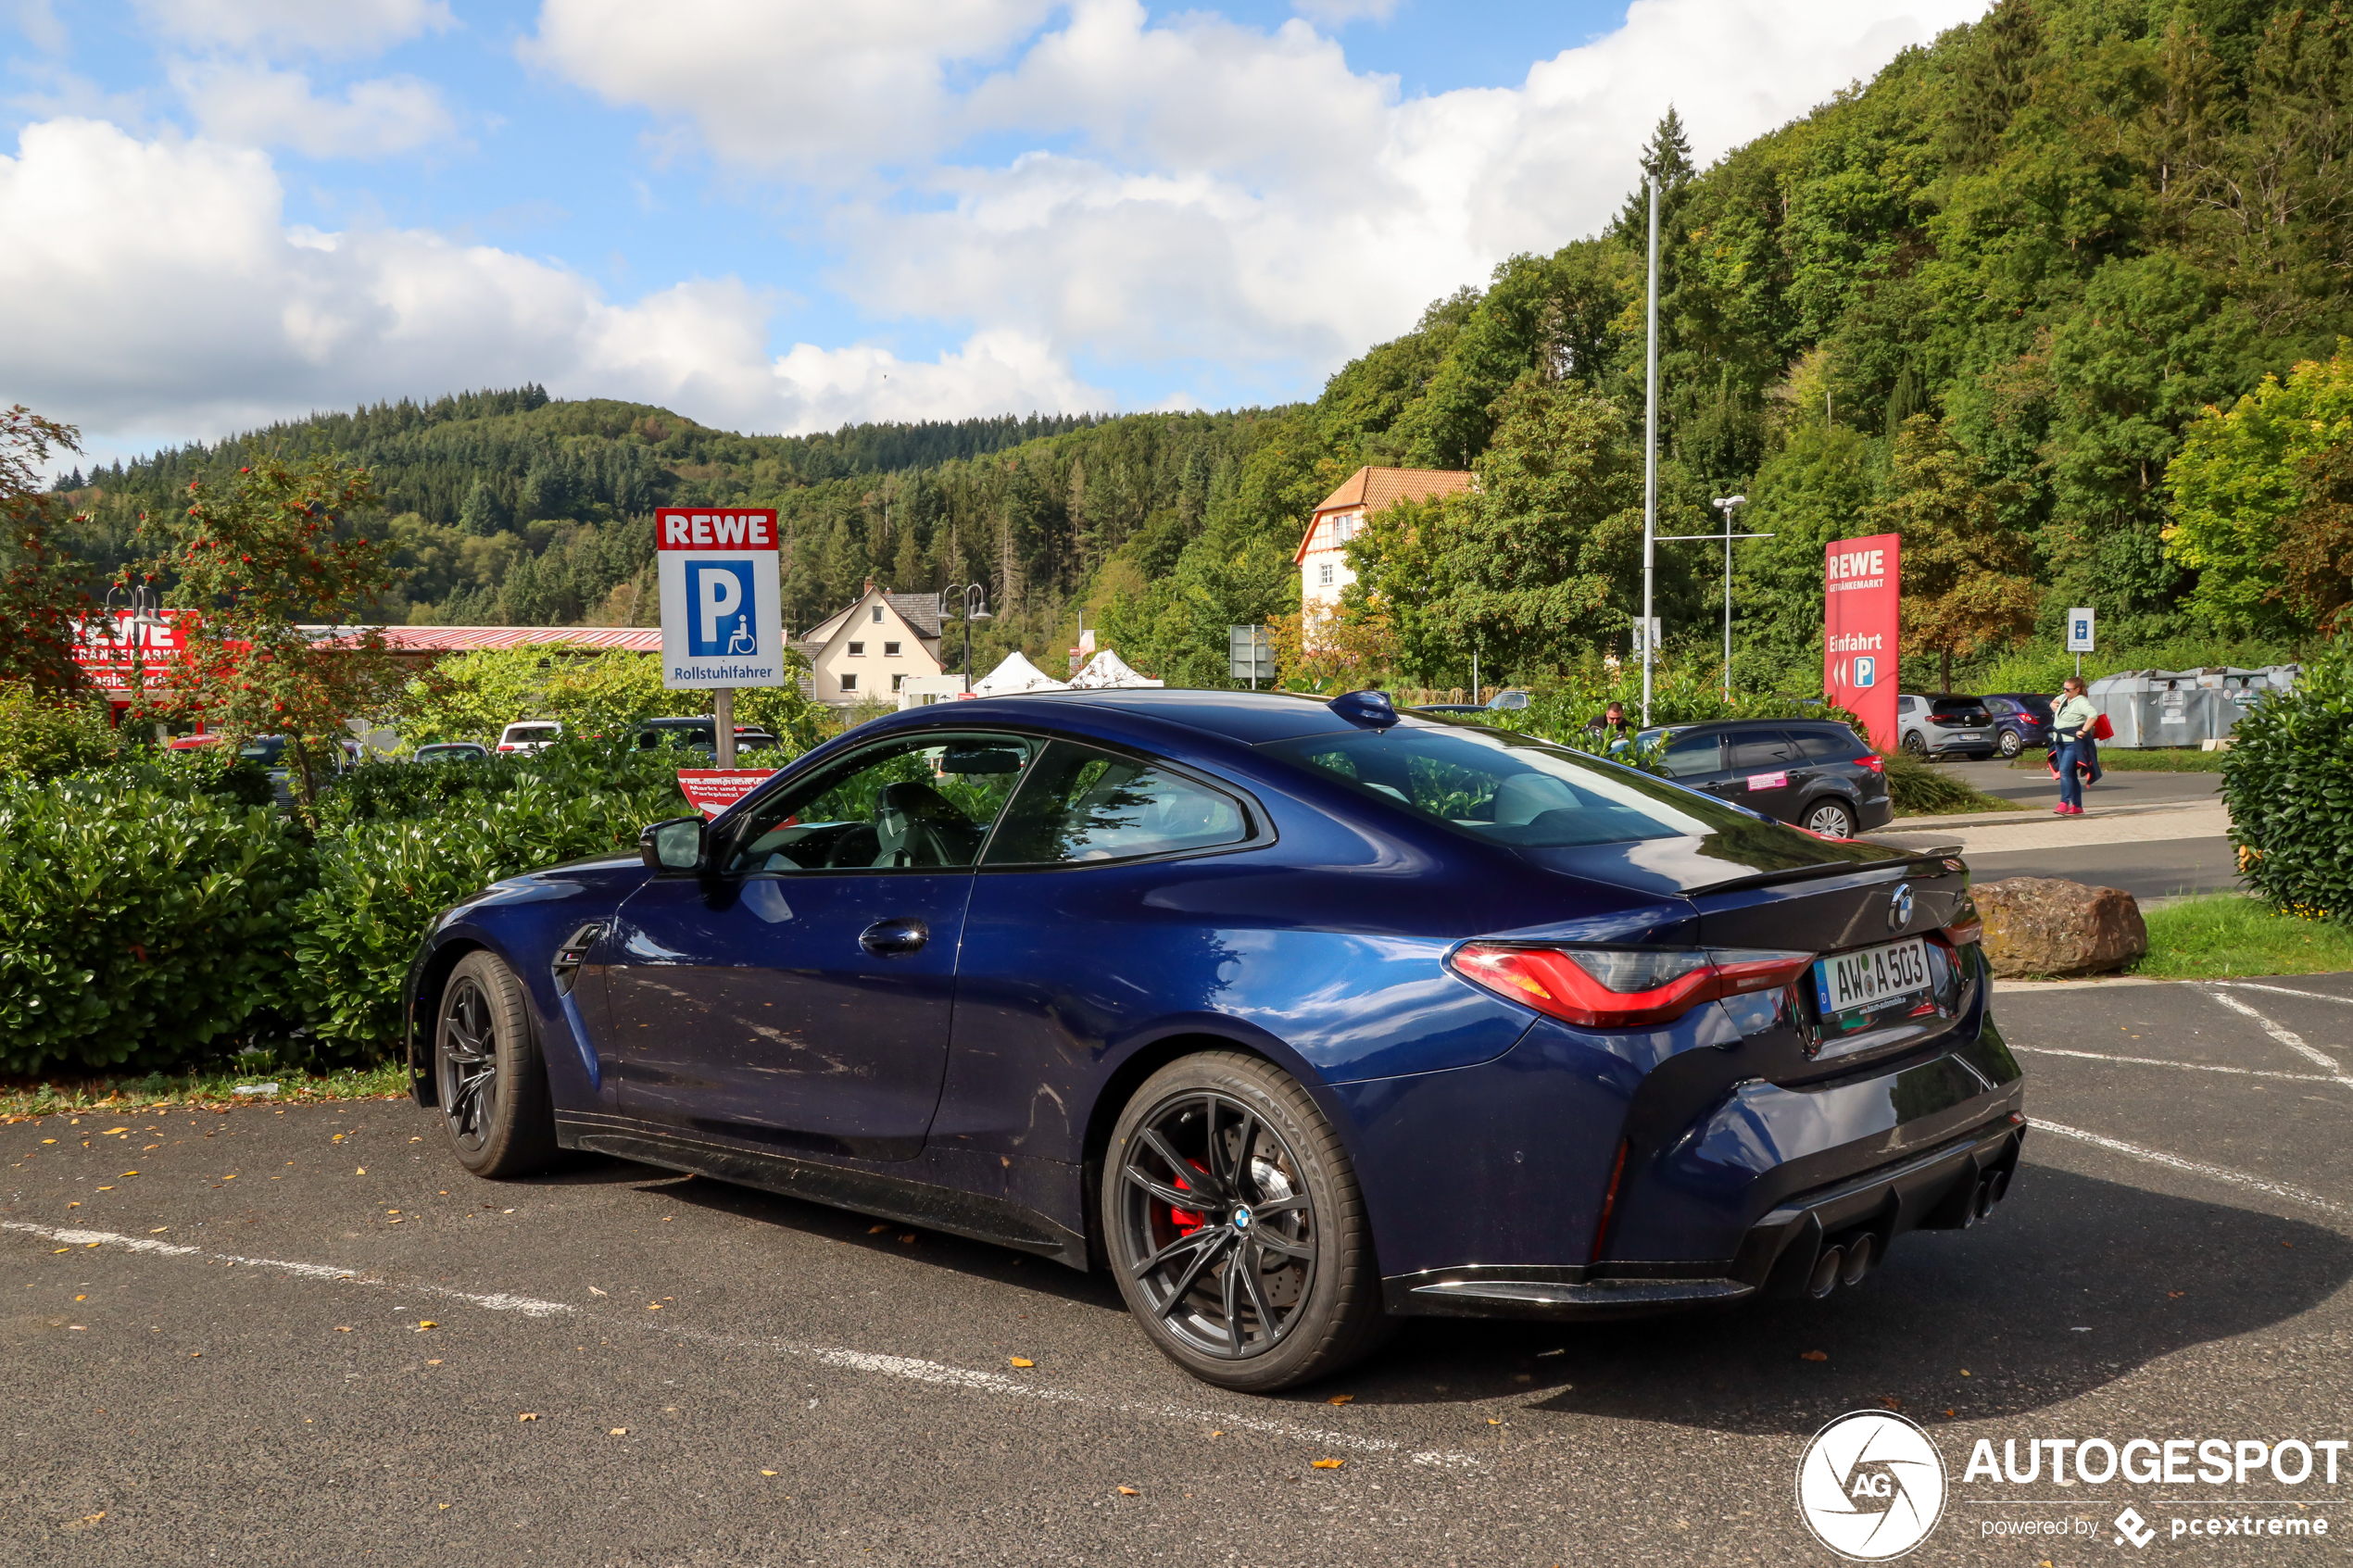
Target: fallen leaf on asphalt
x,y
871,1230
909,1236
425,1324
444,1505
61,1249
432,1363
653,1306
594,1291
528,1415
361,1172
342,1328
1341,1399
1542,1354
1948,1412
82,1298
1494,1421
1892,1402
620,1432
48,1140
112,1131
195,1355
158,1230
1019,1361
1217,1433
768,1472
1815,1355
1965,1372
106,1189
1329,1463
1128,1492
134,1173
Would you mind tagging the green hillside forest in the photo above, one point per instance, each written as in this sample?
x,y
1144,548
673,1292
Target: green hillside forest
x,y
1989,299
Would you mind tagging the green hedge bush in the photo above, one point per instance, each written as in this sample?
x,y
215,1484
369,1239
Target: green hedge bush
x,y
400,843
2288,781
143,924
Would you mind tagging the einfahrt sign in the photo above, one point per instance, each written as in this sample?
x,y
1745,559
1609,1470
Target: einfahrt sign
x,y
1860,582
722,619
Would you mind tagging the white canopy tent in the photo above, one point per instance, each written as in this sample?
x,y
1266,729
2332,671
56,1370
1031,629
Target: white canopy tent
x,y
1015,676
1107,671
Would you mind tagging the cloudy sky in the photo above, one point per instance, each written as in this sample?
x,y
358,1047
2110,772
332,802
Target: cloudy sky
x,y
779,215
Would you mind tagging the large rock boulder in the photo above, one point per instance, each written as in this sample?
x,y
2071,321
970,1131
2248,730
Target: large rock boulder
x,y
2044,925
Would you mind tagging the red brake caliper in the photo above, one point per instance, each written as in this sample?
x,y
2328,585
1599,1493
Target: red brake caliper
x,y
1187,1221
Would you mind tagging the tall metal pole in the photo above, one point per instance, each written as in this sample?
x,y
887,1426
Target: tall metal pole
x,y
1650,456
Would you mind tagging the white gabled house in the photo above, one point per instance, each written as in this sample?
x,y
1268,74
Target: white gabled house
x,y
868,652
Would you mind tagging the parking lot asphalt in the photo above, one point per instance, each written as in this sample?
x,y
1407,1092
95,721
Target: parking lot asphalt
x,y
303,1335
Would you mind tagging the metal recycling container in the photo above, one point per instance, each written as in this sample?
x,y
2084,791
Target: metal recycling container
x,y
2182,707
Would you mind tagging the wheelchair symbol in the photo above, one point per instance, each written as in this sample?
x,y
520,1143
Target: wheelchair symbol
x,y
741,640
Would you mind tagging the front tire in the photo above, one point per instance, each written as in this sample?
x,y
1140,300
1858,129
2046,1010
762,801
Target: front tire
x,y
1235,1227
487,1076
2011,745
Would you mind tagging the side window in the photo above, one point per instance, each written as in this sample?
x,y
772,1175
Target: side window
x,y
1080,804
925,800
1833,746
1688,755
1770,748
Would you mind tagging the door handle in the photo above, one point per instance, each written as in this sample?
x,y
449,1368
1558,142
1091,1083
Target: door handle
x,y
894,938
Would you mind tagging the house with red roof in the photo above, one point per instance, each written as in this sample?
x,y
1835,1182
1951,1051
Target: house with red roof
x,y
1322,557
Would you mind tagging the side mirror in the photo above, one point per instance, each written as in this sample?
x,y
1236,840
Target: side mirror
x,y
674,845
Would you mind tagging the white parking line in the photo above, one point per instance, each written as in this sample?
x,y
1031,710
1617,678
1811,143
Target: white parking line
x,y
2195,1168
2284,991
2186,1066
2285,1037
905,1369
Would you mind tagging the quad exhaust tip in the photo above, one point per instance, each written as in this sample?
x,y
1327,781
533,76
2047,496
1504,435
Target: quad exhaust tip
x,y
1827,1269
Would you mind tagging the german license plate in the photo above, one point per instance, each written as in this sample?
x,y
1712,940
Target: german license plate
x,y
1861,981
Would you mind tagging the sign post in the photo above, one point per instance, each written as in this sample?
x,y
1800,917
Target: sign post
x,y
1862,581
1249,653
721,610
2079,635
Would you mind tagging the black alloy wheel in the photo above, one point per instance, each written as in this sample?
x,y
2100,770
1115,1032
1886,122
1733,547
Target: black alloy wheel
x,y
2011,745
1915,743
1235,1228
1831,819
488,1079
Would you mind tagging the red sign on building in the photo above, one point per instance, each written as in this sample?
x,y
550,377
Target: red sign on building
x,y
1861,580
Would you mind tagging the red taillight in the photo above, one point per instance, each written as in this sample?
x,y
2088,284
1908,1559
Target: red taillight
x,y
1875,762
1622,987
1962,933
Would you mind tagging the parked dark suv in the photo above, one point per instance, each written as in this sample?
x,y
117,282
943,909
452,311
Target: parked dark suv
x,y
2021,720
1811,772
1944,726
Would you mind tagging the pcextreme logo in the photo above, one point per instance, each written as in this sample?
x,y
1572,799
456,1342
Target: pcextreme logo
x,y
1872,1485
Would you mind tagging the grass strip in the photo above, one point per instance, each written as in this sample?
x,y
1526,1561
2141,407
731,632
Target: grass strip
x,y
2231,936
26,1099
2115,761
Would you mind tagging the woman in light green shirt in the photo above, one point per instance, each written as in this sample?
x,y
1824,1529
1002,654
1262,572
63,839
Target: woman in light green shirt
x,y
2072,718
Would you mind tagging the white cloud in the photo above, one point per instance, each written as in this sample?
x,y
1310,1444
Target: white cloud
x,y
816,86
335,27
175,297
261,106
1240,196
40,25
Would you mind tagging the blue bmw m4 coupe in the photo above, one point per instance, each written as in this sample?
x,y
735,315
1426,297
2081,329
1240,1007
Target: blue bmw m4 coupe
x,y
1297,1017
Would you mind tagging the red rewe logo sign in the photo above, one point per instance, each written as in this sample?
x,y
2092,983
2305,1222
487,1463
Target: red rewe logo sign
x,y
715,527
1861,582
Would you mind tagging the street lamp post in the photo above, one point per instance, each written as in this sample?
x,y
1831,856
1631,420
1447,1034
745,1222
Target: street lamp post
x,y
975,605
1726,505
1650,452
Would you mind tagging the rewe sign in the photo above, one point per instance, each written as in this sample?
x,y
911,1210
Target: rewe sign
x,y
721,622
1860,580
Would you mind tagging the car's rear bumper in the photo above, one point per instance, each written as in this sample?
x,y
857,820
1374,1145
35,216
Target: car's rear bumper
x,y
1948,1187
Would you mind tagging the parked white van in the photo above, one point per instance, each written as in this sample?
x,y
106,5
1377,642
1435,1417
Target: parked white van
x,y
529,735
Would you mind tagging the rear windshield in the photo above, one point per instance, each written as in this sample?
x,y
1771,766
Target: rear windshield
x,y
264,749
530,732
1956,704
1508,789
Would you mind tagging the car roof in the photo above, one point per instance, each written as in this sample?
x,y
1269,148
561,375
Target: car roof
x,y
1736,726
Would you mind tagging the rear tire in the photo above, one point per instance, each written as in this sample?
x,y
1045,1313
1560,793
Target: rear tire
x,y
1276,1194
1914,743
2011,745
488,1079
1831,818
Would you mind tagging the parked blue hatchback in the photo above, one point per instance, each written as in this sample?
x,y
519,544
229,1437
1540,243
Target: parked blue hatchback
x,y
1299,1018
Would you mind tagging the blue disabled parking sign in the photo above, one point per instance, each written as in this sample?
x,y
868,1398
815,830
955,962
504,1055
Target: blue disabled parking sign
x,y
722,614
